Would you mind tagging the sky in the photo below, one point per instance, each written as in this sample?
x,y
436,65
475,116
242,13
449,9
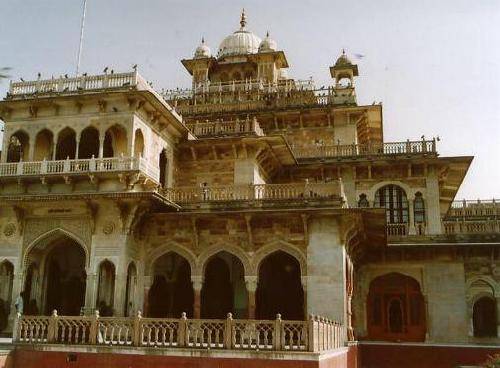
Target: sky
x,y
434,65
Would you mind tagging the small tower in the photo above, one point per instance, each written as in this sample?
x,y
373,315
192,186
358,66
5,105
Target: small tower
x,y
344,72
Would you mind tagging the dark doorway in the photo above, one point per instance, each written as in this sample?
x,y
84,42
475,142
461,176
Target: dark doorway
x,y
485,317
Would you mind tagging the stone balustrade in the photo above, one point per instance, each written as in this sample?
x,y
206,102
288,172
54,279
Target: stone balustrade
x,y
76,84
314,335
78,166
226,128
372,149
255,192
477,208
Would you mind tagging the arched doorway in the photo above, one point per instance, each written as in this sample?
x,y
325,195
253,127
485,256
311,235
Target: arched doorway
x,y
279,289
89,143
62,276
6,281
224,290
138,144
106,288
484,317
44,143
66,144
18,149
115,142
130,292
172,291
396,309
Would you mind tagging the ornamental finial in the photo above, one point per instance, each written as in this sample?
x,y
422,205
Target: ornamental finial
x,y
243,20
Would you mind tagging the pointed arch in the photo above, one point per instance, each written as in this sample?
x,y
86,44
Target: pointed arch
x,y
48,237
168,248
495,286
275,246
239,253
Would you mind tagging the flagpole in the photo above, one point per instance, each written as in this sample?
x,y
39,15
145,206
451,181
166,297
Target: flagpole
x,y
81,38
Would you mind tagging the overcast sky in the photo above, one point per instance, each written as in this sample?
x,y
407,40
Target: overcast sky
x,y
435,65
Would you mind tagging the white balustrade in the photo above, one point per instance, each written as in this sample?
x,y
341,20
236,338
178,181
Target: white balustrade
x,y
315,334
78,166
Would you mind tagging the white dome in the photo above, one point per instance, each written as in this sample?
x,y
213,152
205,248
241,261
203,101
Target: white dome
x,y
202,51
241,42
268,44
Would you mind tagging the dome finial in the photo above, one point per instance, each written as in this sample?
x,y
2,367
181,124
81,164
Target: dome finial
x,y
343,51
203,40
267,34
243,19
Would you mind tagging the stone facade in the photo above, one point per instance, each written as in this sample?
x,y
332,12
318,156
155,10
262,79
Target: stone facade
x,y
266,196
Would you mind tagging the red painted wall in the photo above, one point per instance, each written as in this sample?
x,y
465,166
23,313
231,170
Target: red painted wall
x,y
420,356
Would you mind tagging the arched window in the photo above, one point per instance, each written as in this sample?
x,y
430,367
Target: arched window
x,y
484,317
18,147
363,201
419,208
393,199
396,309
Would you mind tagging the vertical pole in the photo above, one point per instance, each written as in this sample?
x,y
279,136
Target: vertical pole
x,y
79,57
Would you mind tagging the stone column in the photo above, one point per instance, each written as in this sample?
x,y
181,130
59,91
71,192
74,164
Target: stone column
x,y
31,152
433,209
326,291
101,144
90,291
54,145
77,151
119,294
147,282
348,182
251,284
411,217
197,286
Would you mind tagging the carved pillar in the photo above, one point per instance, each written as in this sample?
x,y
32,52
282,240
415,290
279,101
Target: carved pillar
x,y
31,151
411,217
303,280
197,286
54,145
251,283
77,151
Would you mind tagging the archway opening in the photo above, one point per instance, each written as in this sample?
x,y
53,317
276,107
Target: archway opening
x,y
89,143
6,282
18,149
130,292
106,288
224,290
44,145
279,289
66,144
115,142
172,291
163,162
59,283
484,317
138,144
396,309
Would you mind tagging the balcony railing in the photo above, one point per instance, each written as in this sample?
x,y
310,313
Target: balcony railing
x,y
226,128
255,192
76,84
478,208
246,86
315,335
372,149
79,166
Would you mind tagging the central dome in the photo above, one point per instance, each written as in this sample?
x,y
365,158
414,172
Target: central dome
x,y
241,42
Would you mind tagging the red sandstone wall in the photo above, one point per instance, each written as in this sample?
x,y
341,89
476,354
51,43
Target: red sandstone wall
x,y
421,356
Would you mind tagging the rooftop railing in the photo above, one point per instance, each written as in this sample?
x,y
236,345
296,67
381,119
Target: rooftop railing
x,y
315,335
255,192
371,149
78,166
226,128
477,208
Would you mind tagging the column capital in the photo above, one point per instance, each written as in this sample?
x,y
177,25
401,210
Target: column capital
x,y
197,282
251,283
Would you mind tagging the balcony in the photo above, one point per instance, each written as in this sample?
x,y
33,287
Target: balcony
x,y
423,147
257,195
212,129
72,167
315,335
